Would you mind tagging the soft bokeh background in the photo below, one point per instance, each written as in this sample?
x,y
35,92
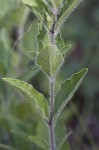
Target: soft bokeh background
x,y
17,119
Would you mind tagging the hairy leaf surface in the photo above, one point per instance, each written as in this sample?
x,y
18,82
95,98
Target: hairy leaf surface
x,y
64,48
67,90
50,59
67,13
31,94
41,9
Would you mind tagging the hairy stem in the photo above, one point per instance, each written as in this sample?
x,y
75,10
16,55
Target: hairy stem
x,y
51,92
51,124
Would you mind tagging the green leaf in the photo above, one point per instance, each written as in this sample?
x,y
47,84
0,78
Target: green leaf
x,y
39,8
6,147
41,138
50,59
67,90
64,48
3,68
65,146
31,94
30,45
40,142
61,135
40,36
56,3
42,131
6,7
67,13
31,3
21,134
60,132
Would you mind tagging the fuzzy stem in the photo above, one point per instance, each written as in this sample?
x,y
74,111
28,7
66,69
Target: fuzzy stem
x,y
51,92
51,109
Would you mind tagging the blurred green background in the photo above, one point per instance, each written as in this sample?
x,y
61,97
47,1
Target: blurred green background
x,y
17,119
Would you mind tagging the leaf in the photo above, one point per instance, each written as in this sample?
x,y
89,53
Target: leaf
x,y
6,7
41,139
61,135
50,59
30,45
31,3
38,141
65,146
38,7
31,94
20,134
6,147
56,3
60,132
67,13
67,90
3,68
5,46
42,131
40,36
64,48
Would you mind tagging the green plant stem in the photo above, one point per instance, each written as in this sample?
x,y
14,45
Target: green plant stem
x,y
52,93
51,109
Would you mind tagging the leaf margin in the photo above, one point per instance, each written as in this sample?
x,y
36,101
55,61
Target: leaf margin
x,y
29,97
64,103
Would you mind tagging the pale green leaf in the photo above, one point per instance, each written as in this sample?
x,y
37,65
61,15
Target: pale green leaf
x,y
40,142
31,3
67,90
56,3
31,94
40,8
40,36
59,42
50,59
67,13
64,48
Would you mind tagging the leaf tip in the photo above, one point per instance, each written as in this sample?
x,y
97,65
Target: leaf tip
x,y
85,70
4,79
